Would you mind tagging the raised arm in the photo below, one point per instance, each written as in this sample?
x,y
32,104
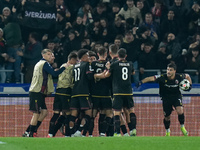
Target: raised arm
x,y
148,79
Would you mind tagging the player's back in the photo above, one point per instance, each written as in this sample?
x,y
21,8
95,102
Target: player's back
x,y
81,81
121,72
100,87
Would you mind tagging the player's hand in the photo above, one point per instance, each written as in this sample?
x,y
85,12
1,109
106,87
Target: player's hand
x,y
108,65
138,84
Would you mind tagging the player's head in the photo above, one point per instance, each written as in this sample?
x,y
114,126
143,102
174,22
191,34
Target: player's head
x,y
92,56
72,58
171,70
113,48
121,53
83,55
47,55
102,52
52,58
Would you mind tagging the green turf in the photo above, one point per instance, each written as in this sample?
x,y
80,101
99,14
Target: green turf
x,y
101,143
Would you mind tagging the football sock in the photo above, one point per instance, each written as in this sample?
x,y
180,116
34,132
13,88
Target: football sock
x,y
181,119
87,123
72,128
28,129
59,123
38,125
101,119
52,123
117,124
77,124
166,123
123,129
133,121
106,124
91,127
67,129
32,129
110,131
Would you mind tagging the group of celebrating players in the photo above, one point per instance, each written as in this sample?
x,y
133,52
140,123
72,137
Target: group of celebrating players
x,y
87,86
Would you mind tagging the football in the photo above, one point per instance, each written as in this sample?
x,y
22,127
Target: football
x,y
184,85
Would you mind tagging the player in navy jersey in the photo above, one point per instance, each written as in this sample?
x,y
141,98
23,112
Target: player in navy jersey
x,y
170,95
80,92
100,91
121,72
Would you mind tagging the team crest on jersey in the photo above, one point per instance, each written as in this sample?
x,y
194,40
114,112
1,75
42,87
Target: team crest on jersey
x,y
176,81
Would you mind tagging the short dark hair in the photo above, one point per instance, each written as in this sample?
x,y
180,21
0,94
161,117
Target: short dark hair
x,y
172,65
34,35
82,52
113,48
102,50
72,55
121,53
92,53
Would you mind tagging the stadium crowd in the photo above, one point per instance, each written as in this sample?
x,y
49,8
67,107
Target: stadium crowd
x,y
153,32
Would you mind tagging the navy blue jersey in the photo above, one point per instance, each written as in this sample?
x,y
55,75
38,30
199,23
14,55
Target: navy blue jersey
x,y
167,87
100,87
81,74
121,72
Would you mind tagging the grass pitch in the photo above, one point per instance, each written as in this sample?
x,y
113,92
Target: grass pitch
x,y
101,143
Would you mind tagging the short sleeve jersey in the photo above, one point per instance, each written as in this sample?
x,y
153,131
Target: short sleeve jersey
x,y
100,87
121,72
169,88
81,81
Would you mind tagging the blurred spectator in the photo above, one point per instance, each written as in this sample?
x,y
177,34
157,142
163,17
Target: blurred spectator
x,y
150,24
119,26
3,57
115,9
99,11
132,48
194,16
159,11
130,11
6,3
169,25
31,55
13,39
193,62
5,13
174,52
144,7
180,12
161,56
72,43
60,5
118,40
147,60
79,27
96,45
58,53
60,21
107,33
86,13
94,30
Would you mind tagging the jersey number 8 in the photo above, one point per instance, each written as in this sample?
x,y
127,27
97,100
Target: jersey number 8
x,y
124,73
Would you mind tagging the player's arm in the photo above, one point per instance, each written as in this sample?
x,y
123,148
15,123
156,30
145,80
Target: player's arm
x,y
101,75
47,67
187,76
148,79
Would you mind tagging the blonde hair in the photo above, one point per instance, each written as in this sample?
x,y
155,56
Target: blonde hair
x,y
44,51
